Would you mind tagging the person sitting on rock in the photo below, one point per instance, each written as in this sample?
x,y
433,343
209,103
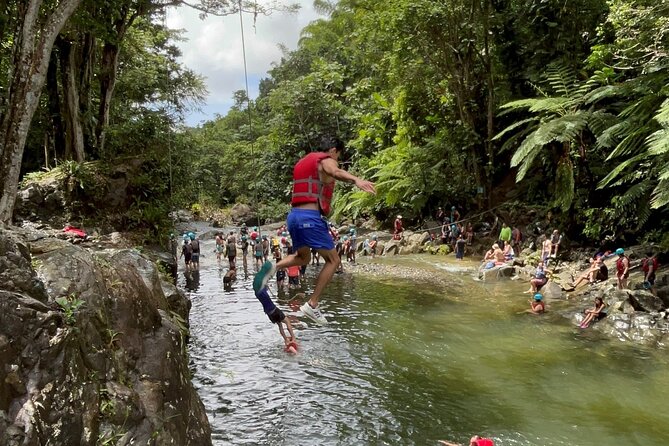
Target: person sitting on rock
x,y
597,272
540,278
594,314
508,252
498,255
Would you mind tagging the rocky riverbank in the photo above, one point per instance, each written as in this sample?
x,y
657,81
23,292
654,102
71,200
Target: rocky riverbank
x,y
92,345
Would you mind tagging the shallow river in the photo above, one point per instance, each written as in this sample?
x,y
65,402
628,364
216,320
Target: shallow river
x,y
403,363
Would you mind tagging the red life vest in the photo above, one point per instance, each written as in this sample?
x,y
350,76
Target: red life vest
x,y
307,186
646,267
484,442
619,264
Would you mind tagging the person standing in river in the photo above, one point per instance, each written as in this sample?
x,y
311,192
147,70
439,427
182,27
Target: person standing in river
x,y
314,179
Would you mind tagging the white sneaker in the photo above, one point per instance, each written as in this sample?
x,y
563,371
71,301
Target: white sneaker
x,y
313,313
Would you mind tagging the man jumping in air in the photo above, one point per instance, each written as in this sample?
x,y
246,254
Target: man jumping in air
x,y
313,184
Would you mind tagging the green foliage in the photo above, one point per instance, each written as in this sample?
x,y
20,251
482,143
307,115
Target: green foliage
x,y
70,306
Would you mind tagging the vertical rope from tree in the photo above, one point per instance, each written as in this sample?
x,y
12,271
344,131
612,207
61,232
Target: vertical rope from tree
x,y
248,108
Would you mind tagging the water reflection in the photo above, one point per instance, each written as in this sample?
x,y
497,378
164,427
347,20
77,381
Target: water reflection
x,y
192,280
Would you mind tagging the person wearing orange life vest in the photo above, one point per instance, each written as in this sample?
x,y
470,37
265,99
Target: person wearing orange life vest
x,y
314,179
622,268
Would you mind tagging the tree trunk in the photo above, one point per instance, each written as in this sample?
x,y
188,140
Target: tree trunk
x,y
57,140
85,75
108,71
32,52
74,135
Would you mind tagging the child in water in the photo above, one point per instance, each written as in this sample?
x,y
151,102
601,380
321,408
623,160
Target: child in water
x,y
537,305
276,316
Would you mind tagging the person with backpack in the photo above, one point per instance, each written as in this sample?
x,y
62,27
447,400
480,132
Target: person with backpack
x,y
649,266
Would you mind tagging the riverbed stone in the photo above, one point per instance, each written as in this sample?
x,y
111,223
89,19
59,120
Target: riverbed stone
x,y
552,291
501,272
643,300
391,248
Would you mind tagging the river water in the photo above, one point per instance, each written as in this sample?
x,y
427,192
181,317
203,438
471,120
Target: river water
x,y
405,363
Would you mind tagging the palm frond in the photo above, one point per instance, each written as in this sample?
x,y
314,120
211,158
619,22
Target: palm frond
x,y
660,195
658,142
514,126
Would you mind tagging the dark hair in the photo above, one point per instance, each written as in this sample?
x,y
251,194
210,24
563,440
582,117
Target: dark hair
x,y
650,254
328,142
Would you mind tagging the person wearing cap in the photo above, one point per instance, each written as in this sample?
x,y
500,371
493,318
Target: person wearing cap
x,y
622,268
314,177
399,229
537,304
474,441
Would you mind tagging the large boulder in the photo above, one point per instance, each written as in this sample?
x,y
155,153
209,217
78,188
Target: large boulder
x,y
242,213
95,354
643,300
552,291
390,248
414,242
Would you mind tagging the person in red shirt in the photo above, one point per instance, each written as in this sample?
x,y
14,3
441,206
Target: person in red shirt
x,y
622,268
649,266
399,229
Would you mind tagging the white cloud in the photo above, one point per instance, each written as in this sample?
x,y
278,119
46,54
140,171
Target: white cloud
x,y
214,50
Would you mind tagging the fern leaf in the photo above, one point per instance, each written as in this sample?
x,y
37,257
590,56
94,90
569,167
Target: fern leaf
x,y
618,169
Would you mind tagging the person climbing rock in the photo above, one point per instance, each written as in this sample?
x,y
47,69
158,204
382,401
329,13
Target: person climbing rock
x,y
314,179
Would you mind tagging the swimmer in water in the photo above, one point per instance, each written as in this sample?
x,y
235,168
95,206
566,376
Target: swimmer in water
x,y
276,316
474,441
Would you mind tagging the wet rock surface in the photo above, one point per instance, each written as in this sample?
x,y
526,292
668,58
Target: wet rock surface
x,y
92,347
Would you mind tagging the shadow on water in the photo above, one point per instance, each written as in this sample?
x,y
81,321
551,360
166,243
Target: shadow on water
x,y
407,363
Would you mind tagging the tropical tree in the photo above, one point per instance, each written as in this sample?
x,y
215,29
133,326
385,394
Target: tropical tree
x,y
557,134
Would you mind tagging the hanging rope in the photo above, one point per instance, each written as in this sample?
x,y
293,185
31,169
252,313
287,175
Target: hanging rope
x,y
248,108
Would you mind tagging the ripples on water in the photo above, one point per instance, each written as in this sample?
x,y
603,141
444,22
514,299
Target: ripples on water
x,y
404,364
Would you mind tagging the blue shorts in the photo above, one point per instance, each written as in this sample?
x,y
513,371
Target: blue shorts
x,y
195,257
308,228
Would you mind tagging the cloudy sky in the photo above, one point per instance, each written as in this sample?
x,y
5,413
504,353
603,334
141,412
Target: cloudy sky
x,y
214,50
